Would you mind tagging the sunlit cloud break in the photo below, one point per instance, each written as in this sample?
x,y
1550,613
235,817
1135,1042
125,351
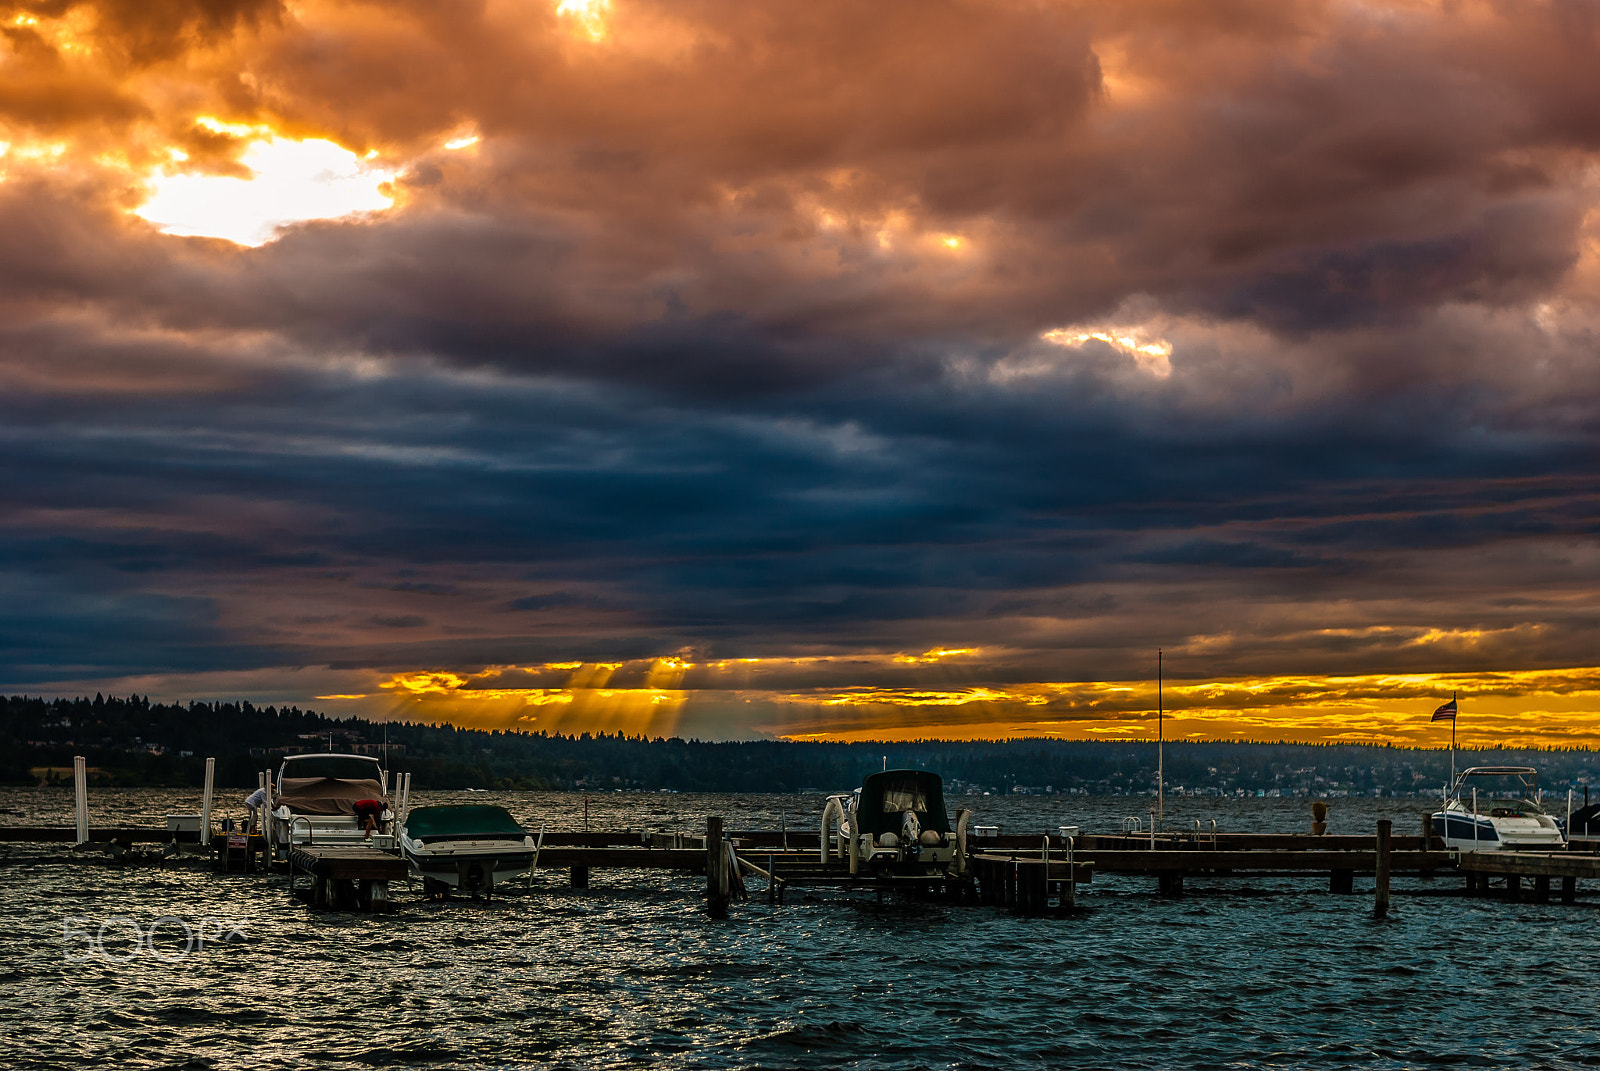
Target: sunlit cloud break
x,y
1152,355
291,182
588,14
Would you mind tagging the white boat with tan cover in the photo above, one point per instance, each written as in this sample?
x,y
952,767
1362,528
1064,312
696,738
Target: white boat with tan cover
x,y
332,799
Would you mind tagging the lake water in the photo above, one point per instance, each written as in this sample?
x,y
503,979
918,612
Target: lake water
x,y
1238,973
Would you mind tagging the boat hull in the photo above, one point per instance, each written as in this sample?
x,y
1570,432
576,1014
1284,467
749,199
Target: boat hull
x,y
298,829
468,865
1465,832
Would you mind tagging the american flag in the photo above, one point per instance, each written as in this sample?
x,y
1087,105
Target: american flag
x,y
1446,712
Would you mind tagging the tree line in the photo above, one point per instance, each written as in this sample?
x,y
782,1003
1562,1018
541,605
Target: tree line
x,y
136,742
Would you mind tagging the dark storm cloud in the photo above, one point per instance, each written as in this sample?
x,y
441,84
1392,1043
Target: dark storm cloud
x,y
741,535
1232,555
1514,253
725,339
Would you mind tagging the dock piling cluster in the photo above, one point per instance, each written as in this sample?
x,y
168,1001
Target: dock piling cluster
x,y
1023,873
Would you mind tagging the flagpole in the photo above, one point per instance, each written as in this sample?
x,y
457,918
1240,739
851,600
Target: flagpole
x,y
1161,769
1453,719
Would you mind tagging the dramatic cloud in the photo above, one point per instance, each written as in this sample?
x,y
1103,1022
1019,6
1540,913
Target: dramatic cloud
x,y
405,353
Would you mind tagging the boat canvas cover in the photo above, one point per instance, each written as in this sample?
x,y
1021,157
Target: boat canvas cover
x,y
462,823
886,796
326,795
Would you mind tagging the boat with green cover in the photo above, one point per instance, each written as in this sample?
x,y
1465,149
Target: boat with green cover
x,y
466,848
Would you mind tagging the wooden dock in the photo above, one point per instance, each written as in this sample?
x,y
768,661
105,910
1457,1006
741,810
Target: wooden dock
x,y
97,835
1341,865
345,875
1027,883
1024,872
1538,867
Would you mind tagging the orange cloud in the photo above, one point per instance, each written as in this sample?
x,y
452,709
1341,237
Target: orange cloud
x,y
651,697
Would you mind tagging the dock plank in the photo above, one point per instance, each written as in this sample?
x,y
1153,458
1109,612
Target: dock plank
x,y
1259,861
101,834
348,862
1249,842
1081,872
1532,864
623,858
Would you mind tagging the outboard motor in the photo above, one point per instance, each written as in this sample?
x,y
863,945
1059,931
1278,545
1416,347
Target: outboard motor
x,y
910,830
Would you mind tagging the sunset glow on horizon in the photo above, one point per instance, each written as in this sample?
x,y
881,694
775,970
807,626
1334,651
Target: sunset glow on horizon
x,y
1538,708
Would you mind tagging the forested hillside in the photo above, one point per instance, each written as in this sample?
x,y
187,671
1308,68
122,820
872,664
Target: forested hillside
x,y
134,741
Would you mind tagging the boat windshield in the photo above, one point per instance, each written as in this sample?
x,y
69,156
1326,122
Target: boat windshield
x,y
1504,791
1499,808
904,796
341,767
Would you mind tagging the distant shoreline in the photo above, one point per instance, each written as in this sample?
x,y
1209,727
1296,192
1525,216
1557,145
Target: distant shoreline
x,y
133,742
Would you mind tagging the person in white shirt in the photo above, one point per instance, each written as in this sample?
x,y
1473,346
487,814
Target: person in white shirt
x,y
256,801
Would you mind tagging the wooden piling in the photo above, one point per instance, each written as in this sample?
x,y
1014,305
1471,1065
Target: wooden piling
x,y
580,877
717,881
205,803
1427,841
1380,896
80,785
1569,890
736,886
1342,882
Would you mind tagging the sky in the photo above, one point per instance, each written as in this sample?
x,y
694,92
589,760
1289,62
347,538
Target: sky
x,y
853,369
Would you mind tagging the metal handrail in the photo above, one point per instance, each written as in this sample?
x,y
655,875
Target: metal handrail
x,y
1072,872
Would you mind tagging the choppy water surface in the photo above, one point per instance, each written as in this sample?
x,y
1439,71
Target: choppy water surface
x,y
1238,973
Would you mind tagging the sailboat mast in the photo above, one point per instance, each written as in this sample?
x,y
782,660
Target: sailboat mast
x,y
1161,747
1453,737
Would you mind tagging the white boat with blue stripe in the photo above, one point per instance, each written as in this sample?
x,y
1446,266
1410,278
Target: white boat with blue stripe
x,y
1496,809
